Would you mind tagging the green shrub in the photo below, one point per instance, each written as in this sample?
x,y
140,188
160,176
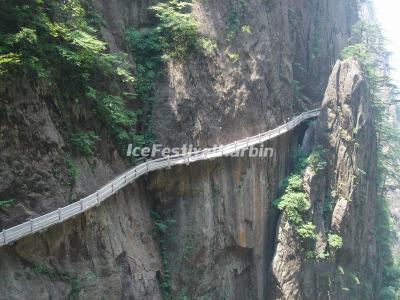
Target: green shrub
x,y
299,158
307,231
233,57
53,45
235,18
208,46
119,120
162,228
293,204
388,293
316,159
246,29
47,40
295,183
72,169
178,28
147,52
4,204
335,241
84,142
294,201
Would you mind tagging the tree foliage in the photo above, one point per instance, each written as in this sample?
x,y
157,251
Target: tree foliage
x,y
368,47
178,27
54,46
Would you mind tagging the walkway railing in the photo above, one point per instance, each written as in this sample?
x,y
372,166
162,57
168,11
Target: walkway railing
x,y
62,214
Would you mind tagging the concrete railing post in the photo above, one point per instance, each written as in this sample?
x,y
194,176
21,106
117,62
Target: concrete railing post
x,y
3,233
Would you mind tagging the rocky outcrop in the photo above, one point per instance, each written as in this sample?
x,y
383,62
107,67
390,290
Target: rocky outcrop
x,y
342,195
108,253
222,240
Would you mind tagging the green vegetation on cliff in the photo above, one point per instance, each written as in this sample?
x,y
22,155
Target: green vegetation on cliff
x,y
162,227
294,202
177,28
175,36
371,53
54,45
295,205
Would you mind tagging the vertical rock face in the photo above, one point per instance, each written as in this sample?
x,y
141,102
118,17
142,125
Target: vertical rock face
x,y
108,253
283,67
283,64
347,184
221,236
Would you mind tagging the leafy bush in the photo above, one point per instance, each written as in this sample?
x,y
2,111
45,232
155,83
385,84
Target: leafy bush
x,y
162,228
53,44
293,204
388,293
295,183
208,46
246,29
358,51
233,57
235,18
72,169
335,241
316,159
84,142
307,231
47,40
4,204
147,52
119,120
178,28
299,158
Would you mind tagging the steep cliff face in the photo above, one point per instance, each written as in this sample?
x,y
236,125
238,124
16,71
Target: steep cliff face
x,y
281,66
343,195
221,222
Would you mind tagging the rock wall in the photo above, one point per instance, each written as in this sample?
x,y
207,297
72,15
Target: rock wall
x,y
222,242
348,183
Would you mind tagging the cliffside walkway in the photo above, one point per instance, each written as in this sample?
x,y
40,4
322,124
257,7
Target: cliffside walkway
x,y
62,214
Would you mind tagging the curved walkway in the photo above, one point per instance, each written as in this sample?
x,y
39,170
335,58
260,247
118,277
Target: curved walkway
x,y
62,214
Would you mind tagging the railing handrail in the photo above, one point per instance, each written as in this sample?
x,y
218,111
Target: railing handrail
x,y
64,213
